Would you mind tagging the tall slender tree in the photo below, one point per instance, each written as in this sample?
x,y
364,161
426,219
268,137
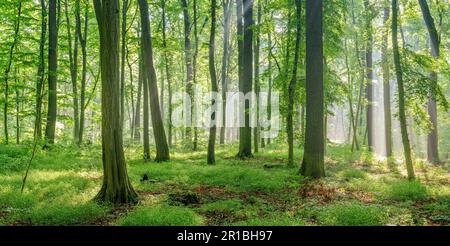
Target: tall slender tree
x,y
8,68
52,72
369,75
214,87
116,187
226,5
73,62
145,106
194,71
313,159
162,148
82,36
293,84
401,93
125,7
245,85
40,73
167,70
432,138
188,61
386,84
256,130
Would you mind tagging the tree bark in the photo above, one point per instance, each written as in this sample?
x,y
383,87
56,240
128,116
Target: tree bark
x,y
432,138
386,85
194,70
137,113
162,148
369,76
145,108
83,40
245,85
122,60
401,93
313,159
214,87
73,62
189,82
226,5
270,84
293,84
52,73
168,77
116,187
256,130
40,73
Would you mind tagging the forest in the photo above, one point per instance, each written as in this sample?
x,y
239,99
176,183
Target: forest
x,y
225,112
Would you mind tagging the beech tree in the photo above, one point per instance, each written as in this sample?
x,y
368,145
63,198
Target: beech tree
x,y
162,148
116,187
313,159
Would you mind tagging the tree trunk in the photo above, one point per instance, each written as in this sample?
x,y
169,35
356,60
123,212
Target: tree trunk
x,y
116,186
353,119
194,70
214,87
313,159
83,41
168,77
8,69
137,113
16,89
226,5
270,85
245,85
292,86
73,62
359,106
401,93
188,60
40,74
162,149
145,108
52,73
386,85
122,60
369,76
432,138
256,130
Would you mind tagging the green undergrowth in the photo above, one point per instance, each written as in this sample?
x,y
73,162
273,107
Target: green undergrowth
x,y
359,189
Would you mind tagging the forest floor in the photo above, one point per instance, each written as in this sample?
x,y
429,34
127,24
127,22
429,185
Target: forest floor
x,y
358,189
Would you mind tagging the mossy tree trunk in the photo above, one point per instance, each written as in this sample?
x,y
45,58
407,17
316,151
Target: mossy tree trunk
x,y
116,187
401,93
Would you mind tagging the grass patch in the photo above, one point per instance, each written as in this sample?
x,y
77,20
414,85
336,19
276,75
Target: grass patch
x,y
352,214
63,214
161,215
352,173
276,219
407,190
